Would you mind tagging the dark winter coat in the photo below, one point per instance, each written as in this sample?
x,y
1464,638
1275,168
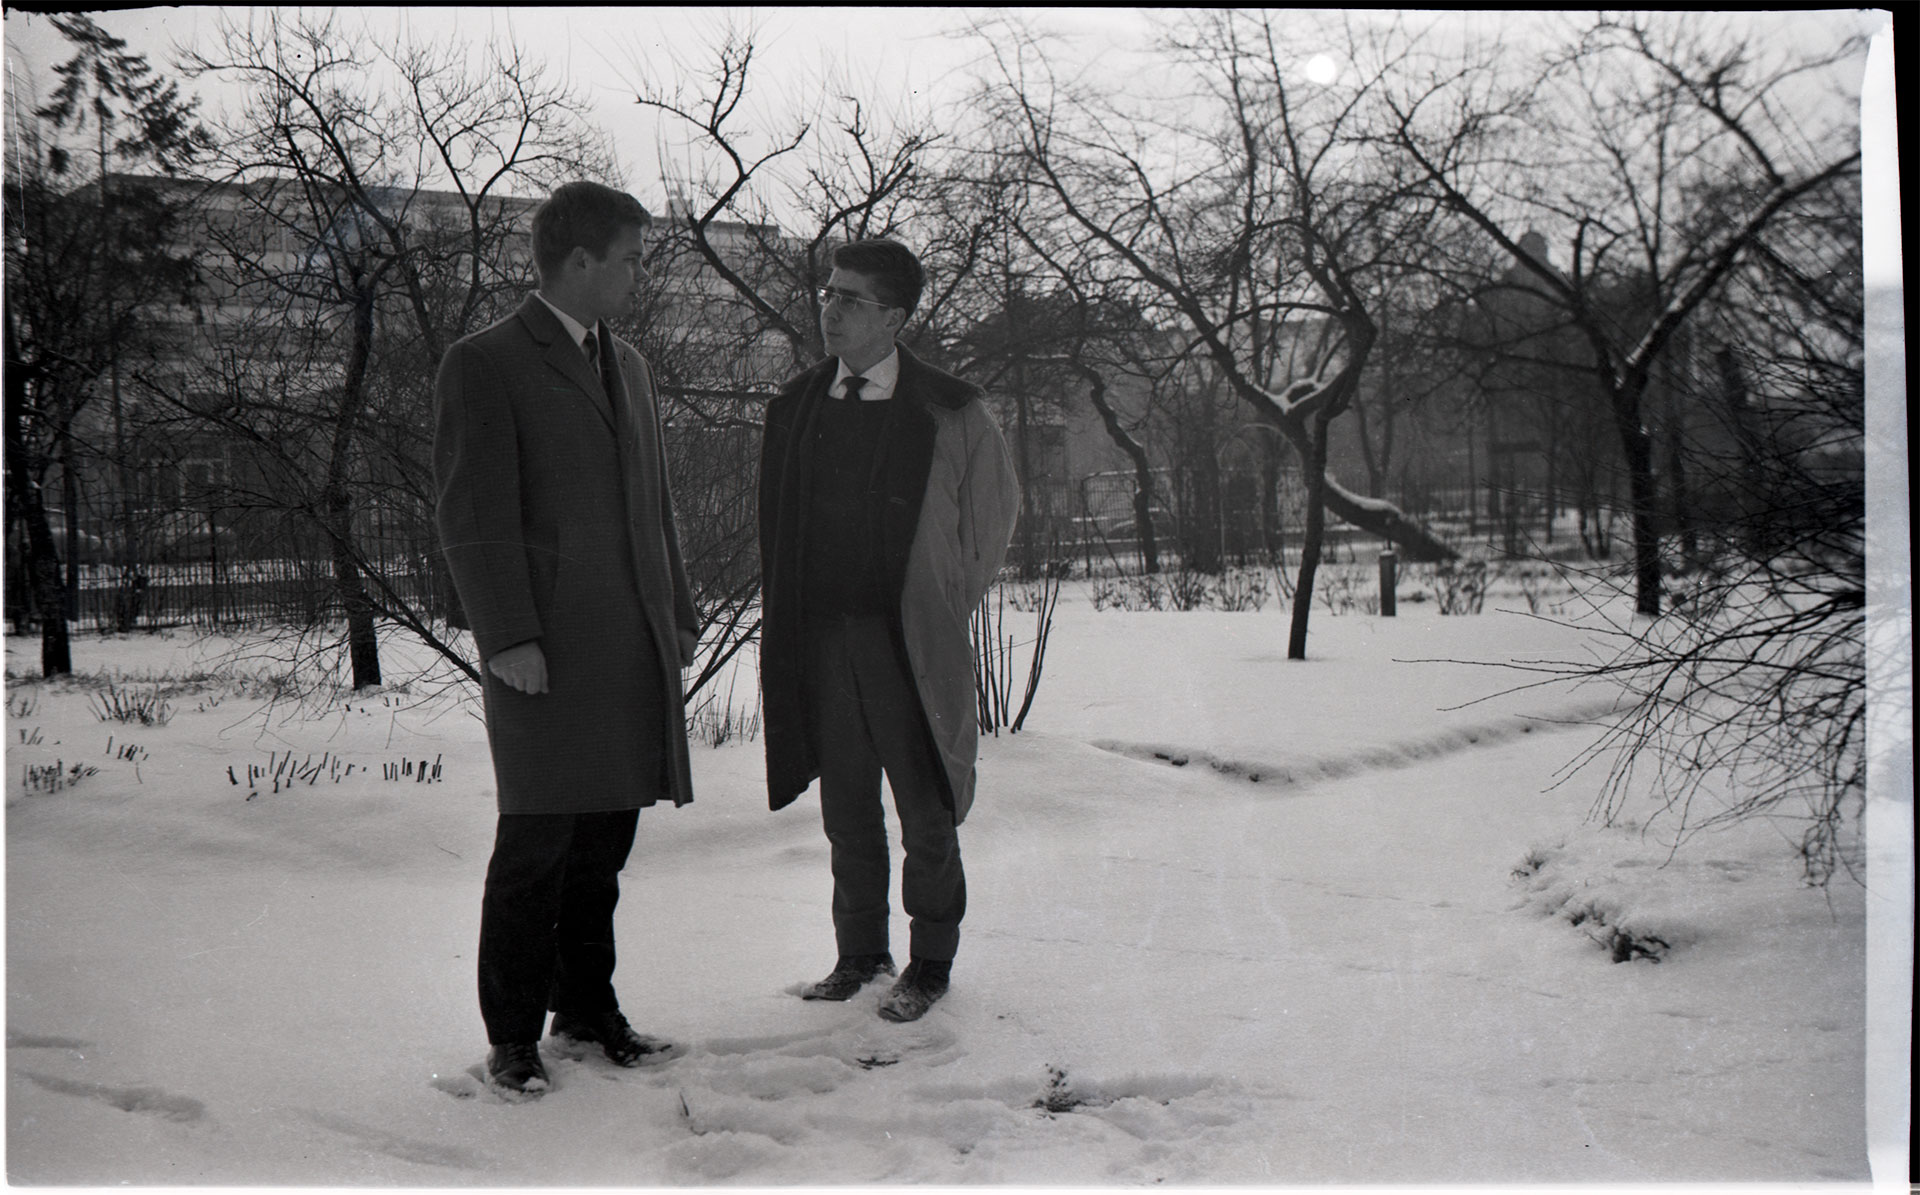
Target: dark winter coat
x,y
947,496
558,528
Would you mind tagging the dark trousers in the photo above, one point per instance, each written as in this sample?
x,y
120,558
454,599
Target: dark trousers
x,y
867,721
546,919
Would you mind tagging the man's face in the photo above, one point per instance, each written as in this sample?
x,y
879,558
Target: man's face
x,y
855,322
609,284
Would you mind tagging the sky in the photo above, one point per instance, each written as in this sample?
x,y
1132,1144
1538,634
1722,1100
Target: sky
x,y
900,56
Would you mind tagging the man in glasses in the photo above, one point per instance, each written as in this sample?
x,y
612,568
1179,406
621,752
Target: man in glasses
x,y
887,499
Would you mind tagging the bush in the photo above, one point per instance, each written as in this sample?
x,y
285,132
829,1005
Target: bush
x,y
1233,590
1240,589
1460,587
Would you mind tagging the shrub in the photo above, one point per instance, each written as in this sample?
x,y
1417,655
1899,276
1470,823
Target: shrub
x,y
1460,587
1240,589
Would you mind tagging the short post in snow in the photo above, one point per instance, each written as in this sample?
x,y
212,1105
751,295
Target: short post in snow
x,y
1387,582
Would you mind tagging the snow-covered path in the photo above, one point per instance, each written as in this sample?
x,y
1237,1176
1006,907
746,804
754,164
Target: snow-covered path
x,y
1211,979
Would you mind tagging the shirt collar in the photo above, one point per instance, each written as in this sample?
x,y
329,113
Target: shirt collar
x,y
574,327
881,377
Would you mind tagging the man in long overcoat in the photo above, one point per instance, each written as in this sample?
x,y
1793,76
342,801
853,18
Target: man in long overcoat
x,y
887,499
558,529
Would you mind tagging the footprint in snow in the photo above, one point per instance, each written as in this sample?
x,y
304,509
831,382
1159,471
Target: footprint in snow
x,y
35,1041
877,1043
468,1084
424,1153
560,1049
801,1042
472,1084
561,1059
147,1101
860,1038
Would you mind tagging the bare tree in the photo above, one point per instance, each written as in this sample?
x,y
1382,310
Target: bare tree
x,y
137,117
1261,226
754,216
1759,671
1023,328
829,174
1610,148
374,211
1715,267
1410,369
88,253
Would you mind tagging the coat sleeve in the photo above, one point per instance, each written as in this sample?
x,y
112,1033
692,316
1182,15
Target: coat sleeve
x,y
989,502
767,512
686,615
476,478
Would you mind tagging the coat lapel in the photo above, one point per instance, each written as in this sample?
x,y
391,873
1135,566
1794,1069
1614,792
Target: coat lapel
x,y
564,356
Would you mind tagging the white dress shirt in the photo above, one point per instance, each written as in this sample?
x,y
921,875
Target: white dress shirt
x,y
574,327
881,378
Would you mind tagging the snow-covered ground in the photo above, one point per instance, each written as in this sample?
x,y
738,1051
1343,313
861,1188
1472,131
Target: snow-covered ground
x,y
1232,920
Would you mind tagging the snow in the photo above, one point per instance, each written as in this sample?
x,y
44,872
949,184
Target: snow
x,y
1233,920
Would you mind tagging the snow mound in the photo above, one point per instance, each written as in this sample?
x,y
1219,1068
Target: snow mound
x,y
1641,900
1285,766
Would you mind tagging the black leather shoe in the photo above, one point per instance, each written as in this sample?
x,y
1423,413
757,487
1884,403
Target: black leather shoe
x,y
610,1031
850,974
514,1070
919,986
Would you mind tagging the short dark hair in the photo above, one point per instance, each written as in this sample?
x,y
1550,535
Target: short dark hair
x,y
894,269
585,215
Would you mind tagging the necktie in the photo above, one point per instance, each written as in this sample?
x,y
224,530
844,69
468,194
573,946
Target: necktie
x,y
853,385
590,345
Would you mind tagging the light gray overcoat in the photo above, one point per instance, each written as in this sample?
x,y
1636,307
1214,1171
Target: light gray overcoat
x,y
946,499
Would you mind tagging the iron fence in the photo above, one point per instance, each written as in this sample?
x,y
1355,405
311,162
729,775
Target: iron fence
x,y
222,569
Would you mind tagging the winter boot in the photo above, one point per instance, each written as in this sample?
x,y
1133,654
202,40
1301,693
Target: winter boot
x,y
850,974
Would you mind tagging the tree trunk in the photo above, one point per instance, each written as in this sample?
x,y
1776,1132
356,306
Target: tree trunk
x,y
1029,534
43,572
1200,551
70,501
1376,468
1142,469
1273,540
129,579
1496,506
1636,446
42,558
1553,474
363,646
1739,412
1679,499
1315,462
1473,486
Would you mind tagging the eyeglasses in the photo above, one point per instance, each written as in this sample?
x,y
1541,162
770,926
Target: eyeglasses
x,y
830,295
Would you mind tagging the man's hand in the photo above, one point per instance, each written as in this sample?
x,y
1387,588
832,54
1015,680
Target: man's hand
x,y
689,641
522,666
